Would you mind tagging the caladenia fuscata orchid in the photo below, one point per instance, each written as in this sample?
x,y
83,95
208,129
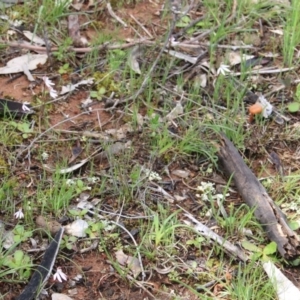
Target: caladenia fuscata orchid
x,y
48,83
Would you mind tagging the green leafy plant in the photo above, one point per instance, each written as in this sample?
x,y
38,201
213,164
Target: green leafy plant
x,y
23,127
94,229
183,22
60,54
197,241
163,228
264,254
68,242
20,234
64,69
20,263
98,94
78,213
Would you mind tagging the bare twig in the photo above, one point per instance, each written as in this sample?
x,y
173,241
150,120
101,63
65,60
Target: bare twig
x,y
142,26
263,71
26,45
148,75
47,130
207,232
112,13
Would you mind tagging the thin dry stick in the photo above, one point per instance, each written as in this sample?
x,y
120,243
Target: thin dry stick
x,y
148,75
25,45
140,284
142,26
263,71
49,129
112,13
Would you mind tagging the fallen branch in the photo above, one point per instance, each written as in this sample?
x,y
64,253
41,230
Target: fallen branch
x,y
229,248
112,13
255,195
40,49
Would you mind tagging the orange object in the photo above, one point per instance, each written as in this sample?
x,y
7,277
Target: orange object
x,y
254,109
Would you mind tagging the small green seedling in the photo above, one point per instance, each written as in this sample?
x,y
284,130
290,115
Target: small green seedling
x,y
98,94
78,213
64,69
94,229
68,242
196,242
23,127
264,254
183,22
20,234
19,262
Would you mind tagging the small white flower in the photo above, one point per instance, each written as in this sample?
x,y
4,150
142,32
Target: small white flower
x,y
173,41
19,214
45,156
223,69
204,197
25,107
53,93
206,187
93,179
219,197
152,175
70,182
48,84
59,275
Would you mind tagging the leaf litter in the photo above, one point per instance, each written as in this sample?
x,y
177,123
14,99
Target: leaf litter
x,y
123,139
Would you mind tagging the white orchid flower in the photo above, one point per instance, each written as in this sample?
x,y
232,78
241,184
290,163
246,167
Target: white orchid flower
x,y
223,69
19,214
59,275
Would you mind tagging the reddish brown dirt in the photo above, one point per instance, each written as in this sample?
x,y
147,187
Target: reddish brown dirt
x,y
101,281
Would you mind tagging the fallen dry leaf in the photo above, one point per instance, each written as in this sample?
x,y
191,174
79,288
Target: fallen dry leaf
x,y
131,262
16,64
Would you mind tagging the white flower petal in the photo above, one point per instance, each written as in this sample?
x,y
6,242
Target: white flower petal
x,y
47,82
19,214
59,275
223,69
53,93
25,107
267,106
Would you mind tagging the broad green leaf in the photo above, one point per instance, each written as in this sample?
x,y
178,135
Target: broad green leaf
x,y
183,22
270,248
250,247
102,90
294,107
18,256
294,225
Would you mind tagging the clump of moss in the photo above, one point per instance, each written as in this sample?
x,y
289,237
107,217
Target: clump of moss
x,y
106,81
4,167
